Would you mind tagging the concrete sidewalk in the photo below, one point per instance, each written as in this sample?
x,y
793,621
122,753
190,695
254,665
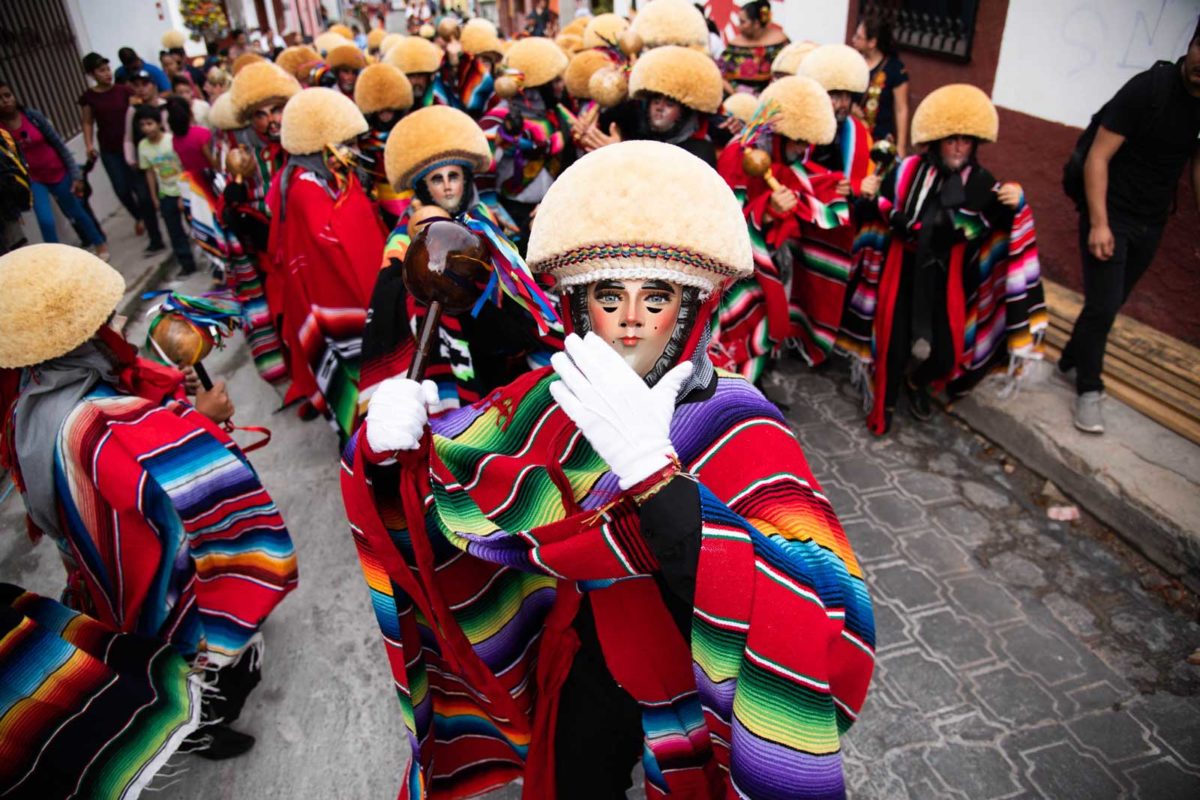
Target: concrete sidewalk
x,y
1138,478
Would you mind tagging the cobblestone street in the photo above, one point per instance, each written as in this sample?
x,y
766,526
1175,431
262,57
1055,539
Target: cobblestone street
x,y
1018,657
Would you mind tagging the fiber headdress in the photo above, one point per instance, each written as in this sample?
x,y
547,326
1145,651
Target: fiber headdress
x,y
680,73
837,67
173,39
664,22
413,55
741,106
604,30
805,114
222,116
55,298
791,57
382,86
582,66
298,60
433,137
375,38
389,41
261,84
538,60
598,221
958,109
346,56
318,118
243,61
479,35
329,40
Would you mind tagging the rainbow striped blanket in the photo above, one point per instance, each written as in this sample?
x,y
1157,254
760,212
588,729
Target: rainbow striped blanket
x,y
167,530
995,300
85,711
475,599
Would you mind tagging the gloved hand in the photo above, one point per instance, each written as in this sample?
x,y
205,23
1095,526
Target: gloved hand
x,y
397,414
627,422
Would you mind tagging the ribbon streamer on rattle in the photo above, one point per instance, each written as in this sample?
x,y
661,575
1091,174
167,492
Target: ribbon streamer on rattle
x,y
510,275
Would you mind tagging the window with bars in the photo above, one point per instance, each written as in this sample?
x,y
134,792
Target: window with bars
x,y
943,28
39,57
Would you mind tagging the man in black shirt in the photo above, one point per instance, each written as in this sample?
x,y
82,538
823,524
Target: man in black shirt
x,y
1147,133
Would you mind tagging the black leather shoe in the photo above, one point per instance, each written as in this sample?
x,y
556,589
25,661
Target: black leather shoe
x,y
218,742
919,402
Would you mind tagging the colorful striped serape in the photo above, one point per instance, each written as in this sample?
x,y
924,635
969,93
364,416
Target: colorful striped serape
x,y
85,711
475,599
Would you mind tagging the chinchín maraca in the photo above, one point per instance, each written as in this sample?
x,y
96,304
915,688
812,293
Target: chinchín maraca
x,y
445,268
185,329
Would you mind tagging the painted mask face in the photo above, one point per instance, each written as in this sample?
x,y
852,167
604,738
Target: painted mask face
x,y
635,317
956,151
446,187
663,114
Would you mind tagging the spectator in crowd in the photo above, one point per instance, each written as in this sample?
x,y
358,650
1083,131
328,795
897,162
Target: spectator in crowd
x,y
181,86
52,171
238,43
746,62
884,106
216,82
192,142
157,156
102,110
146,95
1144,136
131,64
15,197
537,22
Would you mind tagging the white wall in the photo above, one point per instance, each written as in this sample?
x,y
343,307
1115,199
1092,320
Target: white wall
x,y
1061,60
821,21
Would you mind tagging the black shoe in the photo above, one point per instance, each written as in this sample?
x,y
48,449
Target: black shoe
x,y
154,248
919,402
218,742
186,271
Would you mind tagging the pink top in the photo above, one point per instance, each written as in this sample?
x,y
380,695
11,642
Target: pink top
x,y
45,164
190,149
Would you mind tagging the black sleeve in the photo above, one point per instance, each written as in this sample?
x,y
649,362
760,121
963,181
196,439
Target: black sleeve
x,y
1130,107
671,526
897,73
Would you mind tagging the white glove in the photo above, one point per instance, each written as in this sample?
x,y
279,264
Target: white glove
x,y
397,414
627,422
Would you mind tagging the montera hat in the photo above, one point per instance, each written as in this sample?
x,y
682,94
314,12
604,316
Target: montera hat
x,y
958,109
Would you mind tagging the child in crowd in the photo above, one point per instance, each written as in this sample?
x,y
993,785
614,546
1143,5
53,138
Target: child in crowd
x,y
157,156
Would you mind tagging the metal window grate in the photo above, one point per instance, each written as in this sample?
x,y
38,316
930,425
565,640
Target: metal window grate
x,y
944,28
40,58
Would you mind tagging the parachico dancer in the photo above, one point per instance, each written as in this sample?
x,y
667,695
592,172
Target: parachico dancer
x,y
326,242
258,95
552,551
383,95
949,244
162,524
800,281
433,156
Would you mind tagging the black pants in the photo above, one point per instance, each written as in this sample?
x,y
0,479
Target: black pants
x,y
598,737
181,243
928,286
1106,287
149,217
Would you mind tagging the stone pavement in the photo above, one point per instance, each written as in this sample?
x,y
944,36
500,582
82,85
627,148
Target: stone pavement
x,y
1018,657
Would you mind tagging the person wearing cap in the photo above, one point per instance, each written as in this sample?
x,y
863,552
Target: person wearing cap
x,y
102,108
132,63
949,285
433,156
625,554
528,131
383,95
326,242
345,62
162,524
679,90
145,95
799,283
257,96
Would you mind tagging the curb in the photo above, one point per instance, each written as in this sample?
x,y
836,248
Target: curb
x,y
1163,541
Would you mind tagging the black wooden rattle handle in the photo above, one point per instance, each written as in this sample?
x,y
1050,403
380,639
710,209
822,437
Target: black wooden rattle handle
x,y
202,374
416,370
